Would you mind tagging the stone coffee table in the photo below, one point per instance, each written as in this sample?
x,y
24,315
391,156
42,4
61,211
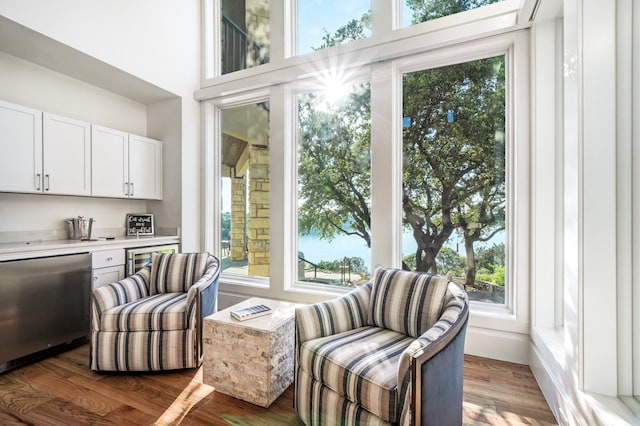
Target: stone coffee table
x,y
253,359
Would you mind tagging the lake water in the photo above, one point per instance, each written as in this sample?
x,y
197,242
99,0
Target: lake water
x,y
316,250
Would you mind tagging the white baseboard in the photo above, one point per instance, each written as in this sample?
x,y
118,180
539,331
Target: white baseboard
x,y
497,344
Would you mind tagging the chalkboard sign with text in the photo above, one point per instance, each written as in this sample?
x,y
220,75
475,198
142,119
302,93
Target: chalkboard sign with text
x,y
140,224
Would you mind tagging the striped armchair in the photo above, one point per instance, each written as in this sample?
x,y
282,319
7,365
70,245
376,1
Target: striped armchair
x,y
152,320
389,352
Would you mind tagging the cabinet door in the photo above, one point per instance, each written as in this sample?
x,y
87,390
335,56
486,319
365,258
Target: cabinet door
x,y
20,148
102,276
145,168
66,155
109,162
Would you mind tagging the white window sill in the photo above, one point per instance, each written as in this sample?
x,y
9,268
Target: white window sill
x,y
608,410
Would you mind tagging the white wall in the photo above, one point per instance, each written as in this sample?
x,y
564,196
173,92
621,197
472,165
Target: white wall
x,y
158,42
582,348
31,85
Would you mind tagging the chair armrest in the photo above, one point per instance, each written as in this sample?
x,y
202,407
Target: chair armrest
x,y
202,300
430,370
333,316
203,294
124,291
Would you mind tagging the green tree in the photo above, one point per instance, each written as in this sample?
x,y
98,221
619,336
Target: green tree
x,y
453,171
225,226
489,257
334,165
454,156
426,10
450,262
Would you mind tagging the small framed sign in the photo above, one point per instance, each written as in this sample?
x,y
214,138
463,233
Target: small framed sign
x,y
140,224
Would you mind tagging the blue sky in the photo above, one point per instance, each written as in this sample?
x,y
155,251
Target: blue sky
x,y
314,15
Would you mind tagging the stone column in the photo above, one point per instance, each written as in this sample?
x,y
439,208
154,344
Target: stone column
x,y
238,218
259,211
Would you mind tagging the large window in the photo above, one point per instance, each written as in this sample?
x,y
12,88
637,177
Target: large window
x,y
244,188
453,199
334,185
381,148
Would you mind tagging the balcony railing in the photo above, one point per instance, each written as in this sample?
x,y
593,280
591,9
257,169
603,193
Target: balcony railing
x,y
239,51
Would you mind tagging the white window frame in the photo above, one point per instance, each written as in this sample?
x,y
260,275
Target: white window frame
x,y
212,118
363,75
386,55
514,46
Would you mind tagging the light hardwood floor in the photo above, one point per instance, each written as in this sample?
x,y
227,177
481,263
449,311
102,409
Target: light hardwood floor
x,y
61,390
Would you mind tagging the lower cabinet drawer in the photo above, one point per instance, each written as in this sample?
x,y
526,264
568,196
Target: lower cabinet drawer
x,y
107,258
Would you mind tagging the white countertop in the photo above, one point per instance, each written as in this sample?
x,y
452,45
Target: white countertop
x,y
29,249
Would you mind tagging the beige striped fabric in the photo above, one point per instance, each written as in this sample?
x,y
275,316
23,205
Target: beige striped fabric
x,y
360,365
135,329
165,311
144,351
124,291
176,272
353,353
405,301
333,316
317,405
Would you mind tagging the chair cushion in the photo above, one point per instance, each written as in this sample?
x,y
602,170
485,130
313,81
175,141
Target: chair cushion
x,y
405,301
176,272
360,365
159,312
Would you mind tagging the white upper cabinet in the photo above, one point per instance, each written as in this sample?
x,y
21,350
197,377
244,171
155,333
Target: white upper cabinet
x,y
66,155
20,148
43,153
109,162
47,153
145,168
126,165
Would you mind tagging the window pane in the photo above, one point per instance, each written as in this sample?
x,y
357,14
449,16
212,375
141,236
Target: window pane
x,y
334,186
324,23
244,34
245,208
417,11
454,174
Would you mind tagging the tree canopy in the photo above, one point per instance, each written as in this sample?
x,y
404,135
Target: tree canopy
x,y
453,153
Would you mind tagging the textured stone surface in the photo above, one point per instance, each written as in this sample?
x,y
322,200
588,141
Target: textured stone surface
x,y
248,363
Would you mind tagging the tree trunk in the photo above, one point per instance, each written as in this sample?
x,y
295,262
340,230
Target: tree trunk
x,y
471,258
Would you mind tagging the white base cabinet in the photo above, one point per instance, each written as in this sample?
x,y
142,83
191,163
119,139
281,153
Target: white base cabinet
x,y
107,267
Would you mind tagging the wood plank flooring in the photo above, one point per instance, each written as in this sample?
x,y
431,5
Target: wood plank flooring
x,y
61,390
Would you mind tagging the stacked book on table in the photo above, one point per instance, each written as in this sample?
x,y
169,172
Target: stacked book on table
x,y
250,312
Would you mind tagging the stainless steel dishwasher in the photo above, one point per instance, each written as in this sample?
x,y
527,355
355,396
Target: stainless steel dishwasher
x,y
44,306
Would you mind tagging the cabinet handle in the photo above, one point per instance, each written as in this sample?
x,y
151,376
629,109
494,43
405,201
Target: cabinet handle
x,y
38,181
131,189
109,259
48,179
126,188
